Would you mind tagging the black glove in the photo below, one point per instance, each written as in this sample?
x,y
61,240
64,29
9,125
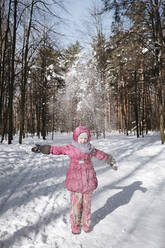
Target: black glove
x,y
45,149
111,161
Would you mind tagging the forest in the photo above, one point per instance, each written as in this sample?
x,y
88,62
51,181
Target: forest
x,y
118,84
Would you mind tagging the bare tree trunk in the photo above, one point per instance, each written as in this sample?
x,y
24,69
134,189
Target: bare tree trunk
x,y
1,41
43,131
10,132
160,86
5,120
143,102
44,94
24,81
4,60
136,106
53,114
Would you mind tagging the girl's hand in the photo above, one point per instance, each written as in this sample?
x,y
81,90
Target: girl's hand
x,y
114,167
111,161
45,149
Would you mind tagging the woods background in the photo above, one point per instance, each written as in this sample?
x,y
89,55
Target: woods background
x,y
118,84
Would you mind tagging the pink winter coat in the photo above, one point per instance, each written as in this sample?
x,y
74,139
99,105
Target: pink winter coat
x,y
81,176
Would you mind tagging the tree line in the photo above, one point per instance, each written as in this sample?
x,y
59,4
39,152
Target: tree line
x,y
119,86
25,45
132,61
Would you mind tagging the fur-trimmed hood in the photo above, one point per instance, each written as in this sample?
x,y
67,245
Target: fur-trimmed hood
x,y
81,129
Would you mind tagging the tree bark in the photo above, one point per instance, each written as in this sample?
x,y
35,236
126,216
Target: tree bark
x,y
4,62
24,81
136,106
160,71
11,88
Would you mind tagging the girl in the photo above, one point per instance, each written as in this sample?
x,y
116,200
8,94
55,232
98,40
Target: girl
x,y
81,178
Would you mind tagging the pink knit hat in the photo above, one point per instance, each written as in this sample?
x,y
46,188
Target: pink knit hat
x,y
79,130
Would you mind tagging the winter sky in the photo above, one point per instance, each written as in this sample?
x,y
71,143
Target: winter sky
x,y
78,21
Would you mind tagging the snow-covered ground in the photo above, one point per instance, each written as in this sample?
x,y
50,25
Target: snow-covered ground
x,y
127,207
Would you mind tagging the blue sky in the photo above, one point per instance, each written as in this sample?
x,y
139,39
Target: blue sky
x,y
78,19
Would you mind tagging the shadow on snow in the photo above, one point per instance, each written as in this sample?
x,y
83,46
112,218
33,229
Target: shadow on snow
x,y
121,198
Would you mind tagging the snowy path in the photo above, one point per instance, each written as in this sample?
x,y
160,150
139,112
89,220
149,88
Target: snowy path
x,y
127,207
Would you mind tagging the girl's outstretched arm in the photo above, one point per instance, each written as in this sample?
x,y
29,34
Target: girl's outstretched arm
x,y
48,149
60,150
106,157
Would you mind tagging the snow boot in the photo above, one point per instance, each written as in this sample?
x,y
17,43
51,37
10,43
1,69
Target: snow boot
x,y
86,228
76,229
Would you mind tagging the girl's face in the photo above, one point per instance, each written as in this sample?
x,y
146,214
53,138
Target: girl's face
x,y
82,140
